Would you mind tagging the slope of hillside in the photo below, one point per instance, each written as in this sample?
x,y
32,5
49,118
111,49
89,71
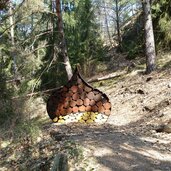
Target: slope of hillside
x,y
141,104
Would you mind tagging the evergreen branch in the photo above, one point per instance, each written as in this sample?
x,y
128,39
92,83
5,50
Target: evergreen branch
x,y
38,36
14,12
51,45
16,22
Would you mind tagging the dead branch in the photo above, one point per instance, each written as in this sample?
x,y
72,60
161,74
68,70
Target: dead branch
x,y
106,77
110,76
37,93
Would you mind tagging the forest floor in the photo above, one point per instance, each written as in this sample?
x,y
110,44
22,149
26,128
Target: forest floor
x,y
128,141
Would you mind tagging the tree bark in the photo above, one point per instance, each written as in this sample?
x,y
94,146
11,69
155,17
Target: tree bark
x,y
51,26
63,42
149,37
117,23
11,20
106,22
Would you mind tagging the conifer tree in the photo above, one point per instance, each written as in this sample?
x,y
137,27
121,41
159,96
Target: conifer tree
x,y
63,41
149,37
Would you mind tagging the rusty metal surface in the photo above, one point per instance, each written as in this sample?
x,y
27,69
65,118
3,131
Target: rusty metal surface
x,y
77,96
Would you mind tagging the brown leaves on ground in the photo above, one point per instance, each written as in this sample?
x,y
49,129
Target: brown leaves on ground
x,y
128,141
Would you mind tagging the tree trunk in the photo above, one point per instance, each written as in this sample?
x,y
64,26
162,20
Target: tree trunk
x,y
149,37
11,20
51,27
117,23
63,42
106,22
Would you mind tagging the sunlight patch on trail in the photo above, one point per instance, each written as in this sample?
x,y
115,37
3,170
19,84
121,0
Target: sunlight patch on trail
x,y
148,152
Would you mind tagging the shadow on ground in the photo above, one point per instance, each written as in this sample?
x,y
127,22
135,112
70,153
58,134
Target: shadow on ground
x,y
106,148
115,149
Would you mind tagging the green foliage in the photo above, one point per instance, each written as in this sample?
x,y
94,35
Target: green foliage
x,y
133,49
28,53
6,91
74,151
133,33
28,128
83,43
162,23
83,39
132,40
52,73
6,112
36,48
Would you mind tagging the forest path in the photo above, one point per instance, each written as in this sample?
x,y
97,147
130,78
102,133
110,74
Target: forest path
x,y
120,150
128,141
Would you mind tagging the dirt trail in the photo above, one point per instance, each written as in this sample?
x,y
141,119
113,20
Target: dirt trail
x,y
128,141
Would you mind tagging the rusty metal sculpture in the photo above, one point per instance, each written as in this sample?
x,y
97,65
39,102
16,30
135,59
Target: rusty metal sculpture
x,y
78,101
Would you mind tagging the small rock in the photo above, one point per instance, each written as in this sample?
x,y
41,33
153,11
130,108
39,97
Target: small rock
x,y
140,91
165,128
147,108
39,139
148,79
169,85
161,114
57,136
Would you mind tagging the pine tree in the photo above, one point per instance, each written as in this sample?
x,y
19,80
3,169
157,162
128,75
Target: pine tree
x,y
149,37
83,38
63,41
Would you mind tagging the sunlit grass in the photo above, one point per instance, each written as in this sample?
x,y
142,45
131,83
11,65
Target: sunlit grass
x,y
164,60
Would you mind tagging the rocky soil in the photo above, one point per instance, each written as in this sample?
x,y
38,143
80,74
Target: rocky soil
x,y
141,104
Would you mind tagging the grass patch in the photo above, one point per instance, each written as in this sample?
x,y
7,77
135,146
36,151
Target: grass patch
x,y
29,128
74,151
164,60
